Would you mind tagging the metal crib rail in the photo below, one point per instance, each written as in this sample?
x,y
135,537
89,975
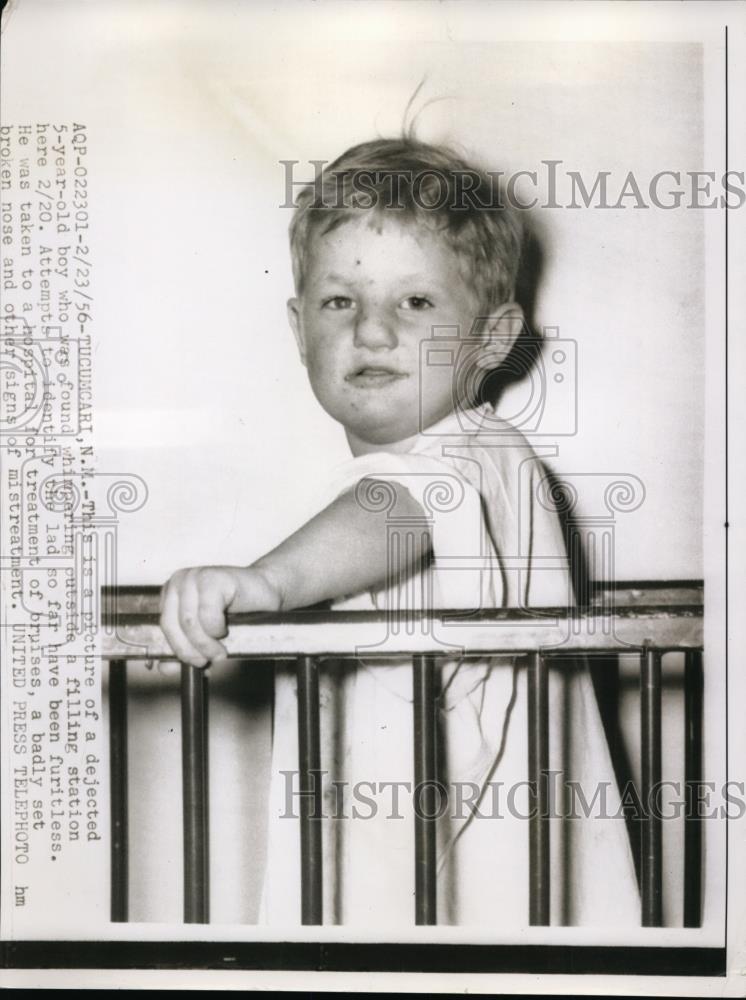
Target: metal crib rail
x,y
693,685
309,766
538,765
672,620
194,756
118,790
652,826
425,776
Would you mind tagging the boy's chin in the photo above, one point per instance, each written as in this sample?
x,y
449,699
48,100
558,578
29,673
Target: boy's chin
x,y
388,434
371,436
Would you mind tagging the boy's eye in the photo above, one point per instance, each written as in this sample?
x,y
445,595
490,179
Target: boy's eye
x,y
337,302
417,302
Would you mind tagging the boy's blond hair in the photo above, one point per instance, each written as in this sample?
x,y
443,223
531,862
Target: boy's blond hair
x,y
429,184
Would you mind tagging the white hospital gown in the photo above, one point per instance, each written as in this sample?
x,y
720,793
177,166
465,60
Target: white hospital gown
x,y
482,489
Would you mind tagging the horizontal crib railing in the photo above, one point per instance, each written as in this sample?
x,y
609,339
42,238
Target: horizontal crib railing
x,y
670,620
370,634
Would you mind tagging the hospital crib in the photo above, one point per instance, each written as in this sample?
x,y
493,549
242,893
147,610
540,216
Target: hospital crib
x,y
646,619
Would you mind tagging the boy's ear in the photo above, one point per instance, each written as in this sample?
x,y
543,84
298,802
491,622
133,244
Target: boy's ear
x,y
501,331
296,327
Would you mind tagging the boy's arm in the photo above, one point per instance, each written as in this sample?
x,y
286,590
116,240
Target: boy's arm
x,y
340,551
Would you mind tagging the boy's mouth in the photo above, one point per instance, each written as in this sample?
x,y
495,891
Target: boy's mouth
x,y
373,376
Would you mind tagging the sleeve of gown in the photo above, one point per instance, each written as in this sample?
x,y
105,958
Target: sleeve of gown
x,y
453,509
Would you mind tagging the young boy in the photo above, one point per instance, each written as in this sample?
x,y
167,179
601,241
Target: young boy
x,y
398,247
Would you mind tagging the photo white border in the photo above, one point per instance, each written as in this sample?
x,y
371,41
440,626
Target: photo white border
x,y
590,21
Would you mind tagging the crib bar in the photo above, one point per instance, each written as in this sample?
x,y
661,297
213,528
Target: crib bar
x,y
118,793
309,756
693,683
538,765
195,791
508,630
425,777
650,709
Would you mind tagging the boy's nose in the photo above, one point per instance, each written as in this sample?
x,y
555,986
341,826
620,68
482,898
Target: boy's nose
x,y
375,330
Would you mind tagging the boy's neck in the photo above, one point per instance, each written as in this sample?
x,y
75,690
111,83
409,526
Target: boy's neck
x,y
358,446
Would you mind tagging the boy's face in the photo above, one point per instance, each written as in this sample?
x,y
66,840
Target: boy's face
x,y
375,288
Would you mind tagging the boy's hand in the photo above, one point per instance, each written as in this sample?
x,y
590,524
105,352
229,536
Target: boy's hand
x,y
342,550
194,604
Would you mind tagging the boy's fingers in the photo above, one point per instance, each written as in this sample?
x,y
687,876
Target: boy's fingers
x,y
194,600
171,625
216,591
169,668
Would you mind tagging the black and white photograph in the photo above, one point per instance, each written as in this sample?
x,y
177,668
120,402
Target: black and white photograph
x,y
370,526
